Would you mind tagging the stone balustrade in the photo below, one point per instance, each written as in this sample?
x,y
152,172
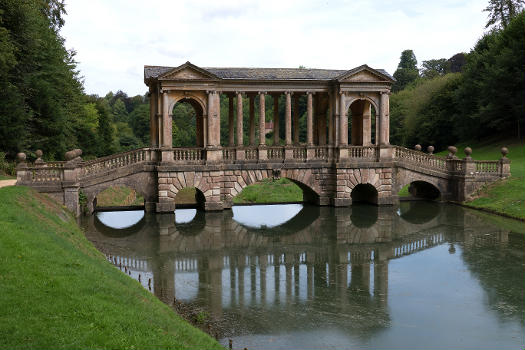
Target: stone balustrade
x,y
120,160
189,155
488,166
419,158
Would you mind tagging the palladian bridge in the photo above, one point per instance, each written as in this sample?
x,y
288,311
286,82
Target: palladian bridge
x,y
346,155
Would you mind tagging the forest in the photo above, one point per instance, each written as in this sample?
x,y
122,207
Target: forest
x,y
471,96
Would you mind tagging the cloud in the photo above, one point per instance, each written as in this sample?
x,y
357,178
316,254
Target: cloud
x,y
115,39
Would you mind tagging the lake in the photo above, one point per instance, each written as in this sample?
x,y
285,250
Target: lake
x,y
417,275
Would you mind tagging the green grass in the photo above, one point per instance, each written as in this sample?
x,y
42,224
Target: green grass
x,y
7,177
506,196
186,196
270,191
119,196
59,292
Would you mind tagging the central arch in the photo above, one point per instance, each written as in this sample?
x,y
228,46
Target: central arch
x,y
362,114
188,122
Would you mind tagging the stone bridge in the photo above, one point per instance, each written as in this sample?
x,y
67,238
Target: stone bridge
x,y
338,161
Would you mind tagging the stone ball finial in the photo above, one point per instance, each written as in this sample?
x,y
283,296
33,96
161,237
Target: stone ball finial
x,y
39,154
430,149
21,157
74,154
468,152
417,147
452,150
504,152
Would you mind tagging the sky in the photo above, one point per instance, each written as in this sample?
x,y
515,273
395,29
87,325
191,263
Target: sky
x,y
114,39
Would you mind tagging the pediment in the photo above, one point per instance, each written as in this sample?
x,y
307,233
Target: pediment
x,y
364,74
187,71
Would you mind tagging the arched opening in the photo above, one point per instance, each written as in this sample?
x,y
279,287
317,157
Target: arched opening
x,y
118,197
276,190
364,193
424,190
190,197
361,122
119,224
188,124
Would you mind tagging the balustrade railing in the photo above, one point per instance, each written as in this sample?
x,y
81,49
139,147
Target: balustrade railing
x,y
275,152
189,154
100,165
251,153
299,153
321,153
229,153
46,174
419,158
366,152
488,166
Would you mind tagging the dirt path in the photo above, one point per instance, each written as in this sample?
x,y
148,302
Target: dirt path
x,y
4,183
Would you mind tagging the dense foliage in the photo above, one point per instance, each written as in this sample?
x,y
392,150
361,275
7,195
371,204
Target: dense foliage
x,y
483,99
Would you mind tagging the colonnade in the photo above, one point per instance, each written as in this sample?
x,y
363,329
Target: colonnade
x,y
326,117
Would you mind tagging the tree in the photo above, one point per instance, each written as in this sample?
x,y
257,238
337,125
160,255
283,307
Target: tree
x,y
433,68
501,12
406,71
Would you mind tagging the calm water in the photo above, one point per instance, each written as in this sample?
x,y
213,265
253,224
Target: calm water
x,y
421,275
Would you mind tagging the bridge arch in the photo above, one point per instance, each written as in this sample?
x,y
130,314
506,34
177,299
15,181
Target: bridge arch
x,y
364,193
304,178
424,182
142,183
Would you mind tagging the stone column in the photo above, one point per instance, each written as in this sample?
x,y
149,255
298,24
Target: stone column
x,y
309,120
198,130
367,123
209,124
321,121
153,133
288,118
205,128
385,119
252,120
330,120
166,122
343,121
296,119
239,120
262,119
275,120
231,133
217,121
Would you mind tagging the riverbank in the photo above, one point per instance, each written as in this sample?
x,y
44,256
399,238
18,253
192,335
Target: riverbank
x,y
505,197
58,291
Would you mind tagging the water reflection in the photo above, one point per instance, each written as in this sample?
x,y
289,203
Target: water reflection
x,y
183,216
363,277
120,219
257,217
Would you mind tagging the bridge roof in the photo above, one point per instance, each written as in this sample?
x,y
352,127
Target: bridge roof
x,y
231,73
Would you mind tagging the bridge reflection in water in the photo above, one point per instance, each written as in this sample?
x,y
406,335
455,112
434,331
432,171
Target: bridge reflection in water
x,y
322,265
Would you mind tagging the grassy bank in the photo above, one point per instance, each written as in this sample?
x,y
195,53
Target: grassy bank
x,y
506,196
58,291
270,191
119,196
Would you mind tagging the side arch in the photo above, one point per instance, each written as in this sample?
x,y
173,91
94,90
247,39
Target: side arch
x,y
405,177
143,183
178,96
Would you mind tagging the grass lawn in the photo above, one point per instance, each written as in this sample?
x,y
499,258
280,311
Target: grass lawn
x,y
59,292
7,177
505,196
119,196
270,191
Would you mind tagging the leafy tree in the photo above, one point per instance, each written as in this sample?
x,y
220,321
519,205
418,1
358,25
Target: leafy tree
x,y
139,122
501,12
433,68
406,71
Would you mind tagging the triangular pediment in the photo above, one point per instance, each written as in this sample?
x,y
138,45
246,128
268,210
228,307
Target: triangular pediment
x,y
187,71
364,74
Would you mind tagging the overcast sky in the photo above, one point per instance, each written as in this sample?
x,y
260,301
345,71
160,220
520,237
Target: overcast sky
x,y
114,39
